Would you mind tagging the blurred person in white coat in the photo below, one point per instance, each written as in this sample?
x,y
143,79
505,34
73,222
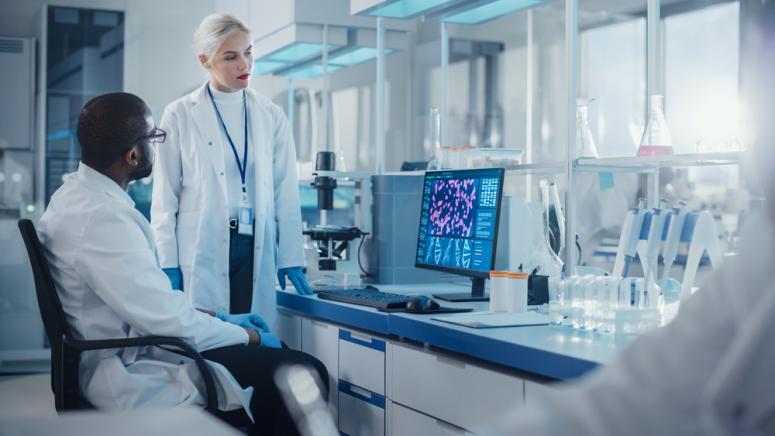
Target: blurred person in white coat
x,y
711,371
225,209
103,261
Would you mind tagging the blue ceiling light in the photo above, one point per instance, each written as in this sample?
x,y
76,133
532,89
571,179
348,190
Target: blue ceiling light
x,y
262,67
409,8
355,56
488,11
298,51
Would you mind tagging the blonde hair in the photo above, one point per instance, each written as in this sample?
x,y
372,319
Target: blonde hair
x,y
213,31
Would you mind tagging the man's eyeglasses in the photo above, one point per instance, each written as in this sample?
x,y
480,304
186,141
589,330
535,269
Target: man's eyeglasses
x,y
156,137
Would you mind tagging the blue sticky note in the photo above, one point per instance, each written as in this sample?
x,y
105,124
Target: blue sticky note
x,y
606,180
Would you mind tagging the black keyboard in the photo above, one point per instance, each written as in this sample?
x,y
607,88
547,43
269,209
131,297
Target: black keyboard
x,y
366,297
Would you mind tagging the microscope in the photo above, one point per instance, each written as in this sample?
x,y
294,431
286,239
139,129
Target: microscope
x,y
337,246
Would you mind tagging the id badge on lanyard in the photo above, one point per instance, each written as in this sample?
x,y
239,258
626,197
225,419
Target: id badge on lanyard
x,y
245,221
245,218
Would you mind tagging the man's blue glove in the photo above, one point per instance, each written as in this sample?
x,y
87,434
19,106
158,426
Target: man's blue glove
x,y
296,275
175,276
269,340
246,320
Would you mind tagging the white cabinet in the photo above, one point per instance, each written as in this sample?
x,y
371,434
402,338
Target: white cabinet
x,y
535,391
407,422
380,386
288,329
362,360
361,412
458,392
361,383
321,340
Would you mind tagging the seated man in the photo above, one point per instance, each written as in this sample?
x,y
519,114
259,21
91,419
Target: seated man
x,y
107,275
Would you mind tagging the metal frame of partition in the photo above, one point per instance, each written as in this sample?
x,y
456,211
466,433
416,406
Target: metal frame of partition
x,y
571,165
571,59
380,100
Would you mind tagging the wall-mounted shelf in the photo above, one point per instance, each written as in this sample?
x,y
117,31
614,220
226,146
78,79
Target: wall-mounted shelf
x,y
648,164
529,169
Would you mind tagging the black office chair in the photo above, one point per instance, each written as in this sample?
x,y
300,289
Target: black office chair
x,y
66,350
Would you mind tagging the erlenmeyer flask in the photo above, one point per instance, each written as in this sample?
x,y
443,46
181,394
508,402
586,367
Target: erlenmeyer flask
x,y
585,144
656,139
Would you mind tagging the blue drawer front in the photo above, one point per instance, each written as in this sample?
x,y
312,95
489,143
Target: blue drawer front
x,y
375,344
375,399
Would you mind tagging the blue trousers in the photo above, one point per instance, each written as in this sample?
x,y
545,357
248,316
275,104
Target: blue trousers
x,y
240,272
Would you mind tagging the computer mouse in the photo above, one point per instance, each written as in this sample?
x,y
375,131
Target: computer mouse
x,y
421,304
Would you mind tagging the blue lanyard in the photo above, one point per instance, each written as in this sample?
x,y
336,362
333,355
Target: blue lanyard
x,y
242,166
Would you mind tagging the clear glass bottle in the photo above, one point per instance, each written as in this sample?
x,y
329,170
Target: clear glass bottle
x,y
656,139
585,143
438,161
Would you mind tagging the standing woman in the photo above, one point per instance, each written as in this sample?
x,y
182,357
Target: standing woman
x,y
225,210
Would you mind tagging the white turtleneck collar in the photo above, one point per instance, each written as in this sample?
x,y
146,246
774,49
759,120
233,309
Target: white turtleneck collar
x,y
225,97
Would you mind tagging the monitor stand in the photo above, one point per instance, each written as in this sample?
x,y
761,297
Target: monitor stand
x,y
476,294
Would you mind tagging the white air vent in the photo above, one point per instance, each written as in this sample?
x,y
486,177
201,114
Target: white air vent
x,y
17,69
8,45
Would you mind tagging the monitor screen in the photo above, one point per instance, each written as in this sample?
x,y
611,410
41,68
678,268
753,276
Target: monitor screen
x,y
459,221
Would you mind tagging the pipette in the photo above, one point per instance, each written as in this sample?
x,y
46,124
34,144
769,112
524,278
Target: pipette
x,y
653,243
673,239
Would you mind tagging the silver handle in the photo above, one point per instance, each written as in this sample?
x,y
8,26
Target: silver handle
x,y
359,391
320,324
362,338
451,362
451,427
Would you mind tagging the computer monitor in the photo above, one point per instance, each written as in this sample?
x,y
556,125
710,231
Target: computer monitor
x,y
459,225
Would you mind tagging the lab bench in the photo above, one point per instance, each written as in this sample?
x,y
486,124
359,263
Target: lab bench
x,y
406,374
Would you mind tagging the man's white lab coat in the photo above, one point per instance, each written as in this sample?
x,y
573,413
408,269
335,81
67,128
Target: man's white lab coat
x,y
102,257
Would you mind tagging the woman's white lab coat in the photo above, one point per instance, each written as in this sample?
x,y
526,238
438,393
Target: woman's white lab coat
x,y
189,211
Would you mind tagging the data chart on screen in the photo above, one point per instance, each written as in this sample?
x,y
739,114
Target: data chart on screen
x,y
458,219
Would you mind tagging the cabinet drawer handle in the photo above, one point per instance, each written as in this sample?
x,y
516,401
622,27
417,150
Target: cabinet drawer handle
x,y
360,391
361,394
361,338
450,427
451,362
320,324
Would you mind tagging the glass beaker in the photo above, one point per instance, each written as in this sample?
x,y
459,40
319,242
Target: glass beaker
x,y
590,300
609,304
585,143
573,301
559,303
656,139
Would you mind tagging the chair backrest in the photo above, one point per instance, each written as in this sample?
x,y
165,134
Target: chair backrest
x,y
51,311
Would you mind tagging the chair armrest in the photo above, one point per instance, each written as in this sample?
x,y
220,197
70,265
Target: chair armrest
x,y
185,347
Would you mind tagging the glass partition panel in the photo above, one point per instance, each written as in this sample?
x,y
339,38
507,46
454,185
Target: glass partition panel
x,y
84,58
